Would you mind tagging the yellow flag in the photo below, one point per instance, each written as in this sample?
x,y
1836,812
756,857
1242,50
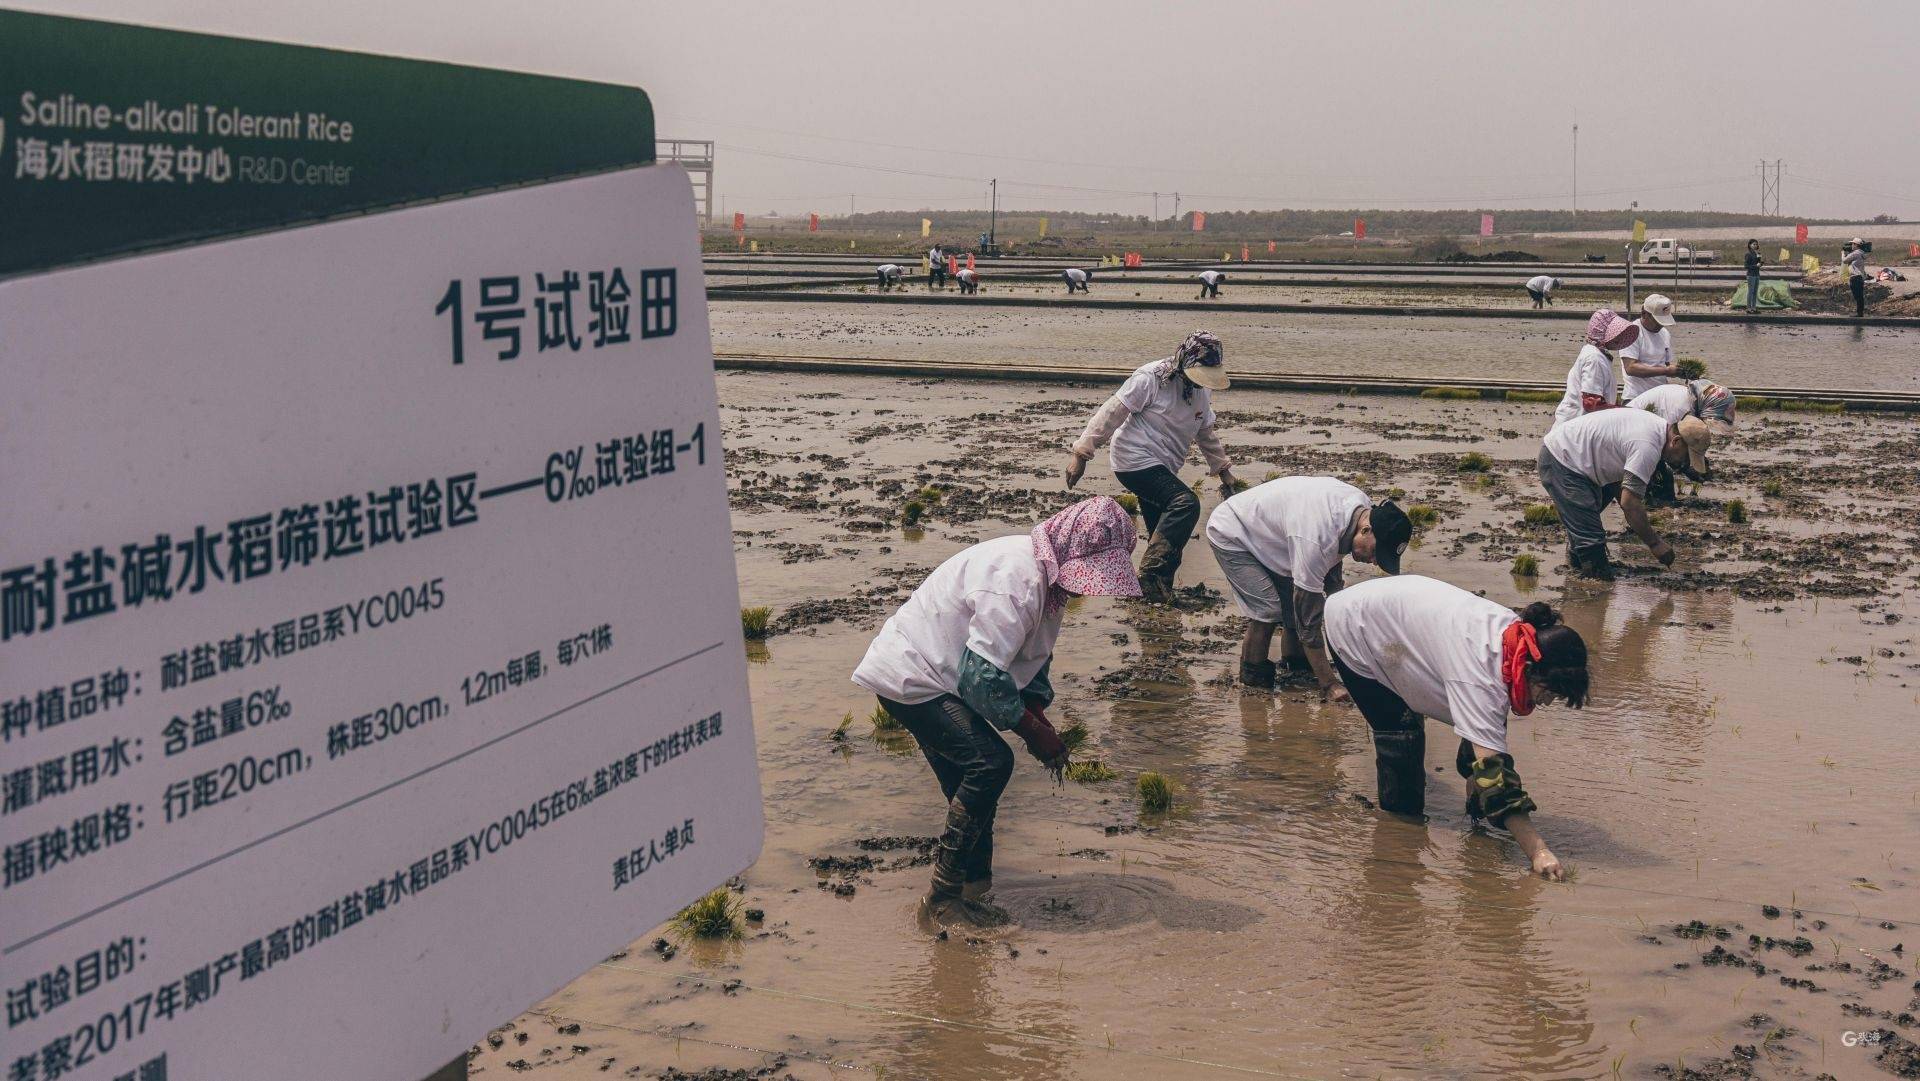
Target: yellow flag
x,y
753,245
1226,257
1809,265
1043,227
1785,255
926,227
1639,231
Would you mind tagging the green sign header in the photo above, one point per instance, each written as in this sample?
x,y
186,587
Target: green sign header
x,y
117,139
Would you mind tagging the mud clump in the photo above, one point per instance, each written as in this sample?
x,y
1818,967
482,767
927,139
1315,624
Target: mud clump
x,y
774,1072
1696,929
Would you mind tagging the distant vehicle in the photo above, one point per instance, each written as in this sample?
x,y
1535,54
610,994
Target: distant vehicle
x,y
1347,233
1669,250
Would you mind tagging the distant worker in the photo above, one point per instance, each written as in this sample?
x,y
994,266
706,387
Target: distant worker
x,y
1854,255
1590,382
1754,261
1161,411
967,657
1210,284
968,279
1076,279
1279,545
1648,360
936,268
888,275
1412,647
1540,287
1589,462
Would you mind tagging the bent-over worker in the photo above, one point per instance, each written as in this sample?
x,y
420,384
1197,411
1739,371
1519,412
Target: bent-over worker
x,y
1540,287
1589,462
1076,279
887,275
1412,647
969,280
1210,284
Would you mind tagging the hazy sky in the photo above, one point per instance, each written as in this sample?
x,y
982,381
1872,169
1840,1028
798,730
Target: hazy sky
x,y
1237,105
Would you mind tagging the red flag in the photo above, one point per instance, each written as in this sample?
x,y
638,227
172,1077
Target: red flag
x,y
813,223
1359,228
969,260
1199,221
1486,225
739,222
1246,254
1800,234
1272,247
953,265
1913,251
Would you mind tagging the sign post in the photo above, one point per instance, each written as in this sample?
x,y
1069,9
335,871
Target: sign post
x,y
369,659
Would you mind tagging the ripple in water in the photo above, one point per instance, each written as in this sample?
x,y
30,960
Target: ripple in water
x,y
1101,902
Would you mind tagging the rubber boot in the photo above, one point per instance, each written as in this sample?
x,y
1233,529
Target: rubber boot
x,y
1258,674
1399,758
1157,590
1592,562
946,900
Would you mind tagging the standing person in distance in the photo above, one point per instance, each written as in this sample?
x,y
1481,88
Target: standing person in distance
x,y
1411,647
1590,382
936,268
1540,287
1754,262
1163,409
967,657
1279,544
1854,255
1648,359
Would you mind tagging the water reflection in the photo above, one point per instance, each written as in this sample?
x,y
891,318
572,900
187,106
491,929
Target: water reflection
x,y
955,980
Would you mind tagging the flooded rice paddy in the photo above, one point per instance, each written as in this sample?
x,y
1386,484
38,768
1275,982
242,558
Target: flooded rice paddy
x,y
1738,802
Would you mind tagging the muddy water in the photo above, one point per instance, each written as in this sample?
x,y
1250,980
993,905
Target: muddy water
x,y
1754,356
1751,742
1470,294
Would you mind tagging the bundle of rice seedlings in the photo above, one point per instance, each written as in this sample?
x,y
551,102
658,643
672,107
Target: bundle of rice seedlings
x,y
1156,792
912,512
1526,565
1451,394
1773,488
1533,395
717,915
753,621
1128,502
1736,511
1422,515
1074,735
1473,462
839,733
883,721
1541,514
1690,368
1092,771
930,494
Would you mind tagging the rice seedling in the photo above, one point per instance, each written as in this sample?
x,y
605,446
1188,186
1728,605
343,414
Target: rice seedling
x,y
1526,565
911,514
839,733
1236,486
883,721
1128,502
1396,493
1422,515
1690,368
1074,735
1736,511
1533,395
1473,462
930,494
1541,514
1092,771
1156,792
1272,474
1773,487
717,915
753,621
1451,394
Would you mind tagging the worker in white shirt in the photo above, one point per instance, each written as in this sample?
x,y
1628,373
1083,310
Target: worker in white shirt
x,y
888,275
1076,279
1408,648
967,657
1210,284
936,268
1588,462
1854,255
1540,287
1648,360
1712,403
1161,411
969,281
1279,545
1591,383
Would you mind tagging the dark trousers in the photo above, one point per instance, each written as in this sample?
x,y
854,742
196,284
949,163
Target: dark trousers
x,y
1209,289
1171,511
884,281
972,763
1753,290
1859,287
1399,741
1538,298
969,286
937,276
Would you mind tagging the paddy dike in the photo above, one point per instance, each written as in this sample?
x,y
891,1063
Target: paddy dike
x,y
1736,803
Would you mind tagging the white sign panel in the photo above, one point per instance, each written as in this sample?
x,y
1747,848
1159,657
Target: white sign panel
x,y
371,661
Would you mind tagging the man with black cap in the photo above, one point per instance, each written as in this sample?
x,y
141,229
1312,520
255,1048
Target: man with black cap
x,y
1279,545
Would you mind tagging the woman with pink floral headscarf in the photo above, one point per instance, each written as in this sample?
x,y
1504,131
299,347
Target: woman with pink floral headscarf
x,y
967,657
1591,383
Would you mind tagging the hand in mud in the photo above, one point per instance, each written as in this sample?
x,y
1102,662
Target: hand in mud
x,y
1043,743
1226,483
1547,866
1076,468
1336,694
1664,554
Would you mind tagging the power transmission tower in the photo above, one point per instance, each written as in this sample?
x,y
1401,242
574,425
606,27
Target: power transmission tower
x,y
1770,186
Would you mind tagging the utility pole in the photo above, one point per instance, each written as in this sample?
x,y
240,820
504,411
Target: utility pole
x,y
993,215
1176,205
1576,172
1776,186
1156,206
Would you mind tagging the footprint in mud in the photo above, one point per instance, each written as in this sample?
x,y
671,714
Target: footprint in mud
x,y
1101,902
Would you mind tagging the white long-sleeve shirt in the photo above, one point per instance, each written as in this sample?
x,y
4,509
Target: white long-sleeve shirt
x,y
1592,373
1151,424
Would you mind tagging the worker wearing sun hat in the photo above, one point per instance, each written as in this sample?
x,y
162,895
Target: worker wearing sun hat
x,y
1590,381
1160,412
1649,359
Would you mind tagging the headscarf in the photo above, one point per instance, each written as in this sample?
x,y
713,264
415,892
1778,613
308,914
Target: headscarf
x,y
1086,549
1607,330
1199,347
1519,647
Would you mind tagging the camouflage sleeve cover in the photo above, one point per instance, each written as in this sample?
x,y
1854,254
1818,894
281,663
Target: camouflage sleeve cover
x,y
1494,790
1039,689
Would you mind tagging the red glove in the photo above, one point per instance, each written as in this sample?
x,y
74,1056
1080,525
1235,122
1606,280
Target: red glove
x,y
1043,742
1590,403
